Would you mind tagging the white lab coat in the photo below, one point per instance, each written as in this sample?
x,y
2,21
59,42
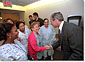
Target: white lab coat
x,y
48,37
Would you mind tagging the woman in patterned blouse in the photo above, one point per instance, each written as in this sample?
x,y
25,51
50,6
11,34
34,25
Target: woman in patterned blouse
x,y
10,51
23,33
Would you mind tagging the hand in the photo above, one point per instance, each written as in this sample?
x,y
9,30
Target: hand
x,y
48,47
19,39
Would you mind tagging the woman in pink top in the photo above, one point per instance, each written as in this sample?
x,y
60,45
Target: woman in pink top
x,y
34,45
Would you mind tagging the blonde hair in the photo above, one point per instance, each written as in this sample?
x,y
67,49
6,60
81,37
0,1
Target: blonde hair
x,y
33,24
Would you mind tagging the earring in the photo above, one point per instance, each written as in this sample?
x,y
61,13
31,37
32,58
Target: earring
x,y
10,37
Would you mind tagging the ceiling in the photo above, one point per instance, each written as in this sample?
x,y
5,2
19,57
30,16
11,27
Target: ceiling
x,y
21,2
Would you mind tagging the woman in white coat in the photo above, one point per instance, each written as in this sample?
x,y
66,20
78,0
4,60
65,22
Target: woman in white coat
x,y
47,34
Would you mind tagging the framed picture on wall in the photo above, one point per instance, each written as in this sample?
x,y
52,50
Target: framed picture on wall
x,y
76,19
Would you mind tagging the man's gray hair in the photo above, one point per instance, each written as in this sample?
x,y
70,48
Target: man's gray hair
x,y
57,15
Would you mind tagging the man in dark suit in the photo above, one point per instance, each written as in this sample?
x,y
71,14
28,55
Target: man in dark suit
x,y
70,38
31,19
37,19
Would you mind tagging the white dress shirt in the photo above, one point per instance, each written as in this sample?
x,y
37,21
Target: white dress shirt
x,y
61,26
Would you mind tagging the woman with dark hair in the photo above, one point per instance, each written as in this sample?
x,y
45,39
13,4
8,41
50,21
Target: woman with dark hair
x,y
47,34
23,33
2,34
10,51
8,20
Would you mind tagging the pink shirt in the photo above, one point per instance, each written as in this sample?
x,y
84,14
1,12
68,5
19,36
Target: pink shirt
x,y
32,46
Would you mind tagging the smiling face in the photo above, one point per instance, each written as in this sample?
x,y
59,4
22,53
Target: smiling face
x,y
55,22
46,23
14,32
56,19
35,17
30,18
36,28
22,27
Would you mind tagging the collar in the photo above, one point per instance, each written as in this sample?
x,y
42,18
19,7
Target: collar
x,y
2,42
36,19
61,26
36,34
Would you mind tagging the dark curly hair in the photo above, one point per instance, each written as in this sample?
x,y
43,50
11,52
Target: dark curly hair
x,y
18,23
4,29
2,32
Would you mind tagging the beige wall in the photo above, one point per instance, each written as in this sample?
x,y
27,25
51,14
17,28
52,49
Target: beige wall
x,y
14,9
21,14
67,7
10,15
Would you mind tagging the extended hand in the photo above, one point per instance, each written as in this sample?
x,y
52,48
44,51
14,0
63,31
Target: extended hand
x,y
48,47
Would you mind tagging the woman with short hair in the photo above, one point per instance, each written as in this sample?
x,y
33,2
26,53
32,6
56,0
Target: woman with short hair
x,y
35,48
23,33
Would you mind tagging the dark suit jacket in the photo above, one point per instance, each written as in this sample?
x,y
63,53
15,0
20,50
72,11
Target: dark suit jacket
x,y
31,21
41,21
71,42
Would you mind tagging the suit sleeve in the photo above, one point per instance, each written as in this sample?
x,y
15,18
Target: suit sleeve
x,y
41,22
36,48
76,44
55,45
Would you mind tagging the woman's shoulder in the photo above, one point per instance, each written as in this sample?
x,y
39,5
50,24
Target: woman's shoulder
x,y
31,36
6,47
51,26
20,34
42,27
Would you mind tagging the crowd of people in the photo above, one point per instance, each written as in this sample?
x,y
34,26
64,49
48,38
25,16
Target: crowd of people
x,y
18,42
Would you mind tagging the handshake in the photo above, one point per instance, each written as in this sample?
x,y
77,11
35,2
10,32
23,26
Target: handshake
x,y
48,47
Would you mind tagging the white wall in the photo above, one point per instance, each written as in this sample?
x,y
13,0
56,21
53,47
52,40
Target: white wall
x,y
67,7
